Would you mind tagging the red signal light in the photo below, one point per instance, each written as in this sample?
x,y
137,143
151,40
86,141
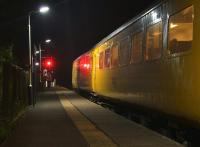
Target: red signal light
x,y
48,63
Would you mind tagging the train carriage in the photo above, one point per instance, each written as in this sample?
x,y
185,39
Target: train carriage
x,y
152,61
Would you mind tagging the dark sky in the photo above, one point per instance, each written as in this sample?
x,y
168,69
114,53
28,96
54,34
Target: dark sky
x,y
73,25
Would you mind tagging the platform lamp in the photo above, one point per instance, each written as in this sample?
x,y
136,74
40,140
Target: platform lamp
x,y
43,9
47,41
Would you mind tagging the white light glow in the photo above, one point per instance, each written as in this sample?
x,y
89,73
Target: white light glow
x,y
37,52
87,66
44,9
48,63
48,40
154,15
37,64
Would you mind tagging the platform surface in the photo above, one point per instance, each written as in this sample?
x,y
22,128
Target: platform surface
x,y
46,125
122,131
62,118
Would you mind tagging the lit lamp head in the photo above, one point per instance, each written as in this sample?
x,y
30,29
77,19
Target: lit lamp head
x,y
37,52
44,9
47,40
37,64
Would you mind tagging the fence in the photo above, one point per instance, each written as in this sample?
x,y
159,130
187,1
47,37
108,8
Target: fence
x,y
13,91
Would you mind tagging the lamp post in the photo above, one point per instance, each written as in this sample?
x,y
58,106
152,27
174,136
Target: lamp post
x,y
42,9
47,41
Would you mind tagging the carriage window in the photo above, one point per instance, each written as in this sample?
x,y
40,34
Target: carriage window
x,y
137,47
154,41
124,51
181,31
114,59
107,58
101,60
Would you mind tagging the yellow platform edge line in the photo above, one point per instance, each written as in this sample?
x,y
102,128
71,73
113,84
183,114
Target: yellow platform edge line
x,y
93,136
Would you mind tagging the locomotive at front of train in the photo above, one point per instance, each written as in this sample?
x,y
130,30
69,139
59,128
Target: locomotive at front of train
x,y
151,62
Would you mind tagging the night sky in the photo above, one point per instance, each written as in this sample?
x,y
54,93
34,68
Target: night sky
x,y
73,25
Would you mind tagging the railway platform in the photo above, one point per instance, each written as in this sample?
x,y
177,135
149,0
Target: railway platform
x,y
62,118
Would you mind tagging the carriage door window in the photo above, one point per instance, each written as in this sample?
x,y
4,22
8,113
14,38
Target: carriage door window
x,y
137,47
154,35
181,31
124,51
101,60
114,56
107,58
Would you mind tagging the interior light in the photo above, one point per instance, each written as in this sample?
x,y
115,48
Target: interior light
x,y
154,15
173,25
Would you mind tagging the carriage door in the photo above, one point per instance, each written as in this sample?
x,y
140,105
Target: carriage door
x,y
95,66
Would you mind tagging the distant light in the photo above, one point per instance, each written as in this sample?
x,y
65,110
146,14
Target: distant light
x,y
44,9
37,64
37,52
48,40
48,63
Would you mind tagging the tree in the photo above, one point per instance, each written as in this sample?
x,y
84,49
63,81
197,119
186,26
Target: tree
x,y
6,54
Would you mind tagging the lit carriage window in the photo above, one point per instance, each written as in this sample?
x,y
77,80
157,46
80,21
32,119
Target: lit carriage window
x,y
181,31
101,60
107,58
114,55
137,47
154,41
124,51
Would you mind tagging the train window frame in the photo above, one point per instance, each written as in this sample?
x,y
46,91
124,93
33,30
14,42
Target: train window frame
x,y
117,65
132,45
153,17
119,51
161,41
168,29
101,60
106,60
